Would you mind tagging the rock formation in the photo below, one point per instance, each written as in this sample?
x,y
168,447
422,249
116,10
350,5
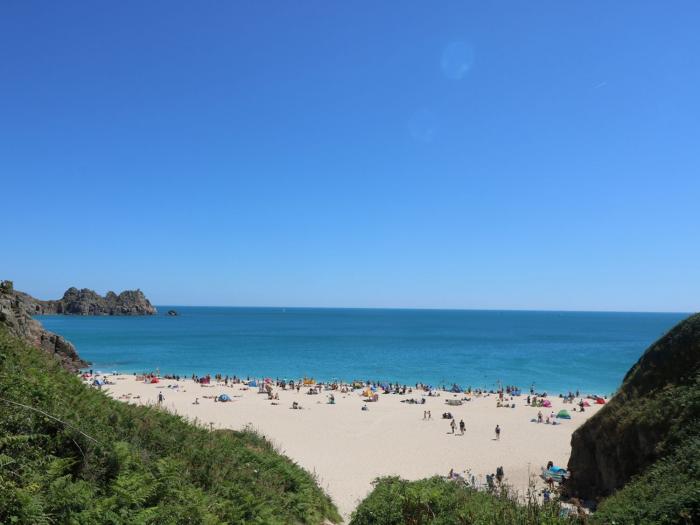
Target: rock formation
x,y
656,408
88,302
16,310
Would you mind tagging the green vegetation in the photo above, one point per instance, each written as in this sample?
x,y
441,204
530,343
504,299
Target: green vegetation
x,y
111,463
668,491
437,501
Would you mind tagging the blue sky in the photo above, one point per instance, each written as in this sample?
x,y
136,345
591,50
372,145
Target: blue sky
x,y
540,155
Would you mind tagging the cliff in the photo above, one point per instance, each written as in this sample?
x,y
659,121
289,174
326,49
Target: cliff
x,y
88,302
16,310
653,415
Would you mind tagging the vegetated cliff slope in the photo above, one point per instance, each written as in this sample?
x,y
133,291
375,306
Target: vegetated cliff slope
x,y
653,417
70,454
16,310
88,302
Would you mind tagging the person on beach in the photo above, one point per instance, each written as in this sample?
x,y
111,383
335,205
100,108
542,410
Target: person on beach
x,y
161,397
453,425
498,433
462,426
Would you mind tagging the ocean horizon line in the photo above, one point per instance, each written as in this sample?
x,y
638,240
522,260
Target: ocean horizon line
x,y
424,309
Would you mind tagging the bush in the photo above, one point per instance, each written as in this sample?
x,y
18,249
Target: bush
x,y
437,501
667,493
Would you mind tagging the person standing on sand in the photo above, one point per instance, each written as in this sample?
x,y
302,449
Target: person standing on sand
x,y
462,426
161,397
453,425
498,433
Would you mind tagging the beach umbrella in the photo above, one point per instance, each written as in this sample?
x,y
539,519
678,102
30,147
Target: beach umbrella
x,y
224,397
564,414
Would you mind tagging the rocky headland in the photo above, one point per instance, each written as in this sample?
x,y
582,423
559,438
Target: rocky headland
x,y
88,302
16,311
18,308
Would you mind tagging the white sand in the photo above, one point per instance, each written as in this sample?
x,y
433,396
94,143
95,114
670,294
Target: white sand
x,y
346,448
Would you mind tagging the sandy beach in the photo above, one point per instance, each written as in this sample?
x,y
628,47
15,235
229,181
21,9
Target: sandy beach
x,y
347,447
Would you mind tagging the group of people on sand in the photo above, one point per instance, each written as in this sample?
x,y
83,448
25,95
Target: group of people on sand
x,y
550,419
492,480
462,426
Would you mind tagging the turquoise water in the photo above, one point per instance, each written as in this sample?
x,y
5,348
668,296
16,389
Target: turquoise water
x,y
557,351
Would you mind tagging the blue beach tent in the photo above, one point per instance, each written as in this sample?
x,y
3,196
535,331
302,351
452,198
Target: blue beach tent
x,y
224,397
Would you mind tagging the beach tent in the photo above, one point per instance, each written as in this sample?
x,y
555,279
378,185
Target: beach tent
x,y
600,401
253,383
154,380
546,403
455,388
224,397
564,414
367,393
586,404
515,392
98,382
558,474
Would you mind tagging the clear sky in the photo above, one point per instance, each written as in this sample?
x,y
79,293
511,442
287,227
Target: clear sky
x,y
541,155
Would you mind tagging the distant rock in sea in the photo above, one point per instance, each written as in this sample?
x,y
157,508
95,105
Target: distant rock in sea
x,y
172,313
88,302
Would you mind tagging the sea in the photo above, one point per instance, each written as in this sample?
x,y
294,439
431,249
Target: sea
x,y
556,352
